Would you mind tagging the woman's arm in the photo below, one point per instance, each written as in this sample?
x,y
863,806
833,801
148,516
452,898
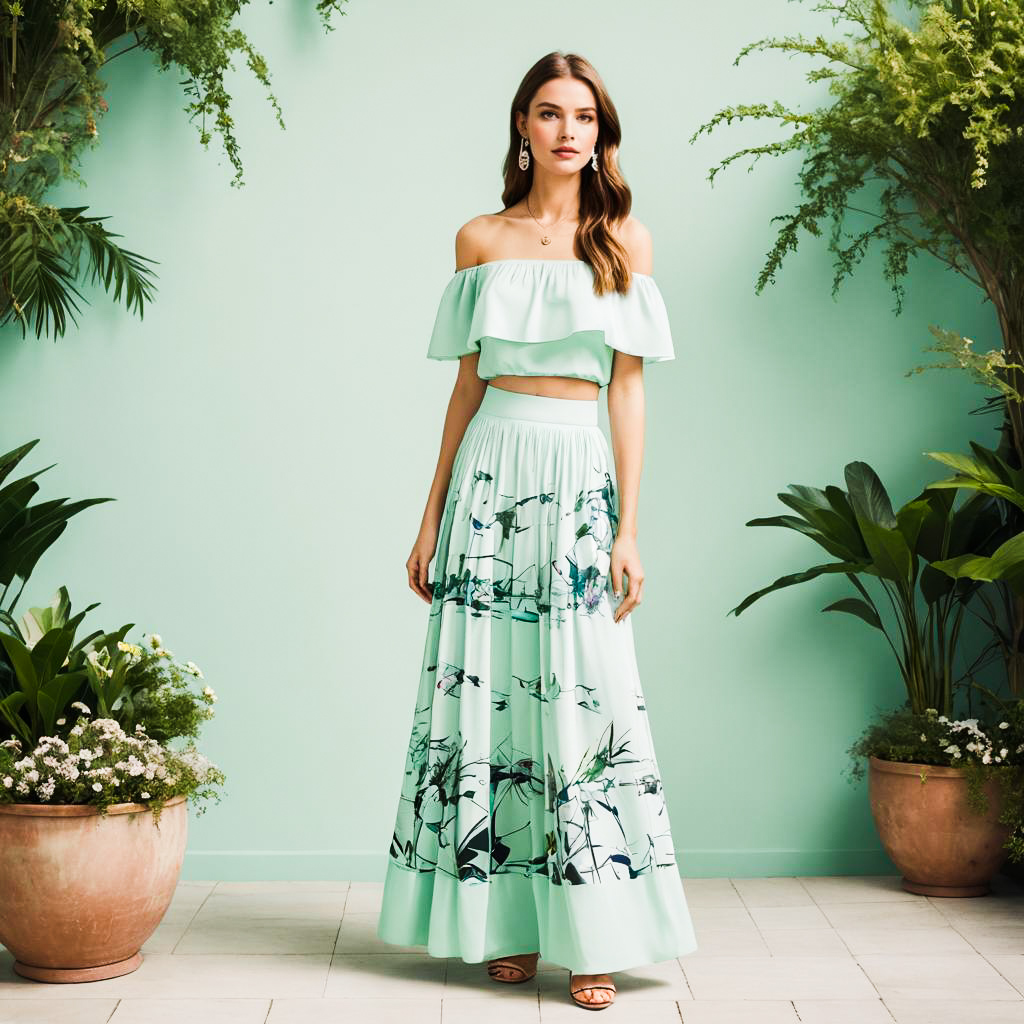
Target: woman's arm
x,y
626,411
467,394
466,397
626,415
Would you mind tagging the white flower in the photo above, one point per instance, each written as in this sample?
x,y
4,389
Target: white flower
x,y
61,721
1004,725
8,781
923,737
154,640
209,693
1003,752
97,786
191,666
78,704
943,718
144,795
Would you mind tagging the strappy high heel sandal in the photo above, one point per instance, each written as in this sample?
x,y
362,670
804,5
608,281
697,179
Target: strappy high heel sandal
x,y
574,992
494,966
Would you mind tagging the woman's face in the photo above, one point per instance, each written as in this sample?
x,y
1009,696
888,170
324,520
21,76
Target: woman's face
x,y
563,113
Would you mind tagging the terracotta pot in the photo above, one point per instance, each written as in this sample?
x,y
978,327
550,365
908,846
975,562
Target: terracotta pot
x,y
80,893
941,846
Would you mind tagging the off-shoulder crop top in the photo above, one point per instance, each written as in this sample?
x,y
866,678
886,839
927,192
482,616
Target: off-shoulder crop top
x,y
534,317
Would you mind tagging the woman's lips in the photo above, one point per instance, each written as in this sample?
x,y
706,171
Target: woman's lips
x,y
565,152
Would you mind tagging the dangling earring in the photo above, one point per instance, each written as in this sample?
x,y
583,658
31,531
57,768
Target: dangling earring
x,y
593,159
524,155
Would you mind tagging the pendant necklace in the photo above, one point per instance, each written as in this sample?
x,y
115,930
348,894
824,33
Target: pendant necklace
x,y
544,239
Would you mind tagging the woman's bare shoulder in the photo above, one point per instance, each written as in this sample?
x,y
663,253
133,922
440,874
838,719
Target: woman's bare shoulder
x,y
476,238
636,240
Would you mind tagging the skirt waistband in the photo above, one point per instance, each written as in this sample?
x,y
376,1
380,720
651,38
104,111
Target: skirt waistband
x,y
520,406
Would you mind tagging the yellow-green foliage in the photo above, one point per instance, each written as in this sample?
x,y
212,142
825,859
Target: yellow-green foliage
x,y
926,122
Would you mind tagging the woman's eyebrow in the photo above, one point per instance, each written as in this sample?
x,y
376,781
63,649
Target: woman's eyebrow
x,y
557,107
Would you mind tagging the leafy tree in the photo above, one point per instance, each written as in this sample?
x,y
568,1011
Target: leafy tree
x,y
924,137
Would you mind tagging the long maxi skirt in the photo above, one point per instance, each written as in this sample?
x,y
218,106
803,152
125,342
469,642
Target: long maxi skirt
x,y
532,815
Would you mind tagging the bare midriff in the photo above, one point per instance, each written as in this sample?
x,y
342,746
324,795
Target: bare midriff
x,y
548,387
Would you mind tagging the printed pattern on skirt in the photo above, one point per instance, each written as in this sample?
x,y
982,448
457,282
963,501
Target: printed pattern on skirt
x,y
530,750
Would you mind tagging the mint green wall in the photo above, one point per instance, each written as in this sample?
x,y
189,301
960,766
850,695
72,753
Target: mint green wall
x,y
270,429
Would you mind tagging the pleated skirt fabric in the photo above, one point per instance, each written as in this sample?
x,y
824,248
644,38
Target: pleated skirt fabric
x,y
532,815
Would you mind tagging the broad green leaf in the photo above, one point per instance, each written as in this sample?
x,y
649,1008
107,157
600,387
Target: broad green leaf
x,y
868,497
889,552
21,661
911,518
966,466
50,651
798,577
855,606
802,526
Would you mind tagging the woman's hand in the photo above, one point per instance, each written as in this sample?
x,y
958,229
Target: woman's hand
x,y
422,553
626,558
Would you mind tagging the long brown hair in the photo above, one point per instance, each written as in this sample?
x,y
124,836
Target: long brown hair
x,y
605,198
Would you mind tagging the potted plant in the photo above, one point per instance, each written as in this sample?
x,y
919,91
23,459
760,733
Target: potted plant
x,y
946,796
976,794
93,793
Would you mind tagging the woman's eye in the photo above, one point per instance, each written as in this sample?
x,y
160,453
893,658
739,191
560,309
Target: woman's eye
x,y
544,113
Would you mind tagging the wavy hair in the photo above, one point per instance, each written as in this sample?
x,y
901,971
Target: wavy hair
x,y
605,198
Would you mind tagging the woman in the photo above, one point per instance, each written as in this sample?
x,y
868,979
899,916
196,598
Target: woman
x,y
532,820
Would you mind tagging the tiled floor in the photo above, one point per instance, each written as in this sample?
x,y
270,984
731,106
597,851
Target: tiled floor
x,y
830,950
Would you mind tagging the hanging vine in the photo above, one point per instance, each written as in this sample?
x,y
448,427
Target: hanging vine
x,y
51,98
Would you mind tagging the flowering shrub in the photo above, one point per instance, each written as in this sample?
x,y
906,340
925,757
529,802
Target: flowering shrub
x,y
157,692
983,750
126,757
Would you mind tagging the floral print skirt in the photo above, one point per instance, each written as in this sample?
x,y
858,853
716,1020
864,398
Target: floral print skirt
x,y
532,815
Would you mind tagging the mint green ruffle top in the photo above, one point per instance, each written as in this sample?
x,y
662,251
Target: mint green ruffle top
x,y
535,317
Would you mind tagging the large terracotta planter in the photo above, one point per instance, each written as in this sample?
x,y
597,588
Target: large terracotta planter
x,y
940,845
80,893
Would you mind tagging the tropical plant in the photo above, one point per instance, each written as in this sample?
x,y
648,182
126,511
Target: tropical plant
x,y
51,98
920,149
27,530
859,528
140,687
997,560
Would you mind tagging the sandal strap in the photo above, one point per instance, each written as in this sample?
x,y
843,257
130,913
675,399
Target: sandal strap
x,y
581,988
